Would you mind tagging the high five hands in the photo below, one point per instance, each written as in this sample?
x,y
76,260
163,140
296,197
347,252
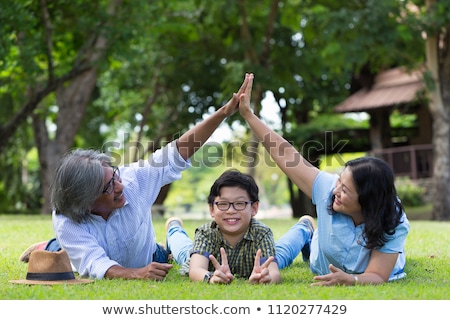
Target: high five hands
x,y
245,90
223,275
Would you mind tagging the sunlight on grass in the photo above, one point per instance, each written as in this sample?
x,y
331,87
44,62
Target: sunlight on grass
x,y
428,276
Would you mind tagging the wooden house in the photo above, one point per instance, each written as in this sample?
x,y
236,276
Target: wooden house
x,y
407,150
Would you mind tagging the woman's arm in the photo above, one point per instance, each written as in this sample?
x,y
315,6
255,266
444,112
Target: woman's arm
x,y
290,161
378,271
379,268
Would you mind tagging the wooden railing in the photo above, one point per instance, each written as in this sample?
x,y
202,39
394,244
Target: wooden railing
x,y
414,161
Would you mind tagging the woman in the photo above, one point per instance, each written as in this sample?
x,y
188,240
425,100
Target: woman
x,y
362,226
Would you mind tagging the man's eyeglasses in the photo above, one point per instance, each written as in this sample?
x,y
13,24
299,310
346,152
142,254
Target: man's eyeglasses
x,y
110,185
237,205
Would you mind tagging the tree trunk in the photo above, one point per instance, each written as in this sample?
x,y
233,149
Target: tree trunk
x,y
301,204
380,129
72,103
46,161
438,64
441,208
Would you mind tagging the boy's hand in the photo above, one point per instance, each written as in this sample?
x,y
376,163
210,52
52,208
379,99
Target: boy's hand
x,y
260,273
223,273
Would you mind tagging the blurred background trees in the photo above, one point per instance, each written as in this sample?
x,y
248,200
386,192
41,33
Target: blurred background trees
x,y
129,76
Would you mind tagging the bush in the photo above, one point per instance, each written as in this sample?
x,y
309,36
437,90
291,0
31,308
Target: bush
x,y
411,194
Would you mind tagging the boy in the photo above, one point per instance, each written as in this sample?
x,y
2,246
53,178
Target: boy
x,y
234,244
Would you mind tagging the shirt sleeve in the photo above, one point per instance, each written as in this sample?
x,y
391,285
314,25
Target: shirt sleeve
x,y
86,255
396,242
323,187
147,177
206,241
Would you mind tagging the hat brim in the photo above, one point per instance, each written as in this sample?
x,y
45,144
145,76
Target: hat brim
x,y
33,282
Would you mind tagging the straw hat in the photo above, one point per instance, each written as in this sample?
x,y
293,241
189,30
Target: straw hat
x,y
46,267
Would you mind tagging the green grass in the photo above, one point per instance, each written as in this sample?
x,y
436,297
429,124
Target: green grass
x,y
420,213
428,278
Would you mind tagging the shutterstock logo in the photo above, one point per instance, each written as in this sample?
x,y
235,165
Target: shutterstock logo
x,y
236,153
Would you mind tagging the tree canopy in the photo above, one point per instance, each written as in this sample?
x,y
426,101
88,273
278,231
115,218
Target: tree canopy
x,y
132,75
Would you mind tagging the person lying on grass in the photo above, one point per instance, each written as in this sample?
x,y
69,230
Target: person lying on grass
x,y
362,226
234,244
102,213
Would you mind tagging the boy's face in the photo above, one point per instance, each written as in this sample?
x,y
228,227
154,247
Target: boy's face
x,y
233,222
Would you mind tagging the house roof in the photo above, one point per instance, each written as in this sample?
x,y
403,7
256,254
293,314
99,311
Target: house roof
x,y
391,87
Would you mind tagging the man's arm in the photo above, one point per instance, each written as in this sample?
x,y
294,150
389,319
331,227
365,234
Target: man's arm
x,y
154,271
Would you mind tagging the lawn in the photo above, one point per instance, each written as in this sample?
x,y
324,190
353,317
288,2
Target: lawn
x,y
428,272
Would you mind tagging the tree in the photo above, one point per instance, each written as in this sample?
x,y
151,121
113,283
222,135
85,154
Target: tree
x,y
71,98
437,43
152,70
65,46
375,35
30,73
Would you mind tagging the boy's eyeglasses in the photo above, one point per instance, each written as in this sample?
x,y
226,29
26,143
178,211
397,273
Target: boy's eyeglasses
x,y
237,205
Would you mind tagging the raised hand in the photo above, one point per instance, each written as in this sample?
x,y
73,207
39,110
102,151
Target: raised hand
x,y
233,104
222,274
245,97
260,273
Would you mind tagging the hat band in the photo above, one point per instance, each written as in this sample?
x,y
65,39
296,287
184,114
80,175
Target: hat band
x,y
52,276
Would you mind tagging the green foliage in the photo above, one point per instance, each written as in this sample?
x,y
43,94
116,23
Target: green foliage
x,y
366,32
428,275
336,162
398,120
410,193
320,123
20,183
188,57
210,162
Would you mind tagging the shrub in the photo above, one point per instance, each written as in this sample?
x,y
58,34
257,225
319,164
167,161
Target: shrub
x,y
410,193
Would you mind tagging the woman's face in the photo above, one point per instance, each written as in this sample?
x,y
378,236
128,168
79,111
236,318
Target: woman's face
x,y
346,197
